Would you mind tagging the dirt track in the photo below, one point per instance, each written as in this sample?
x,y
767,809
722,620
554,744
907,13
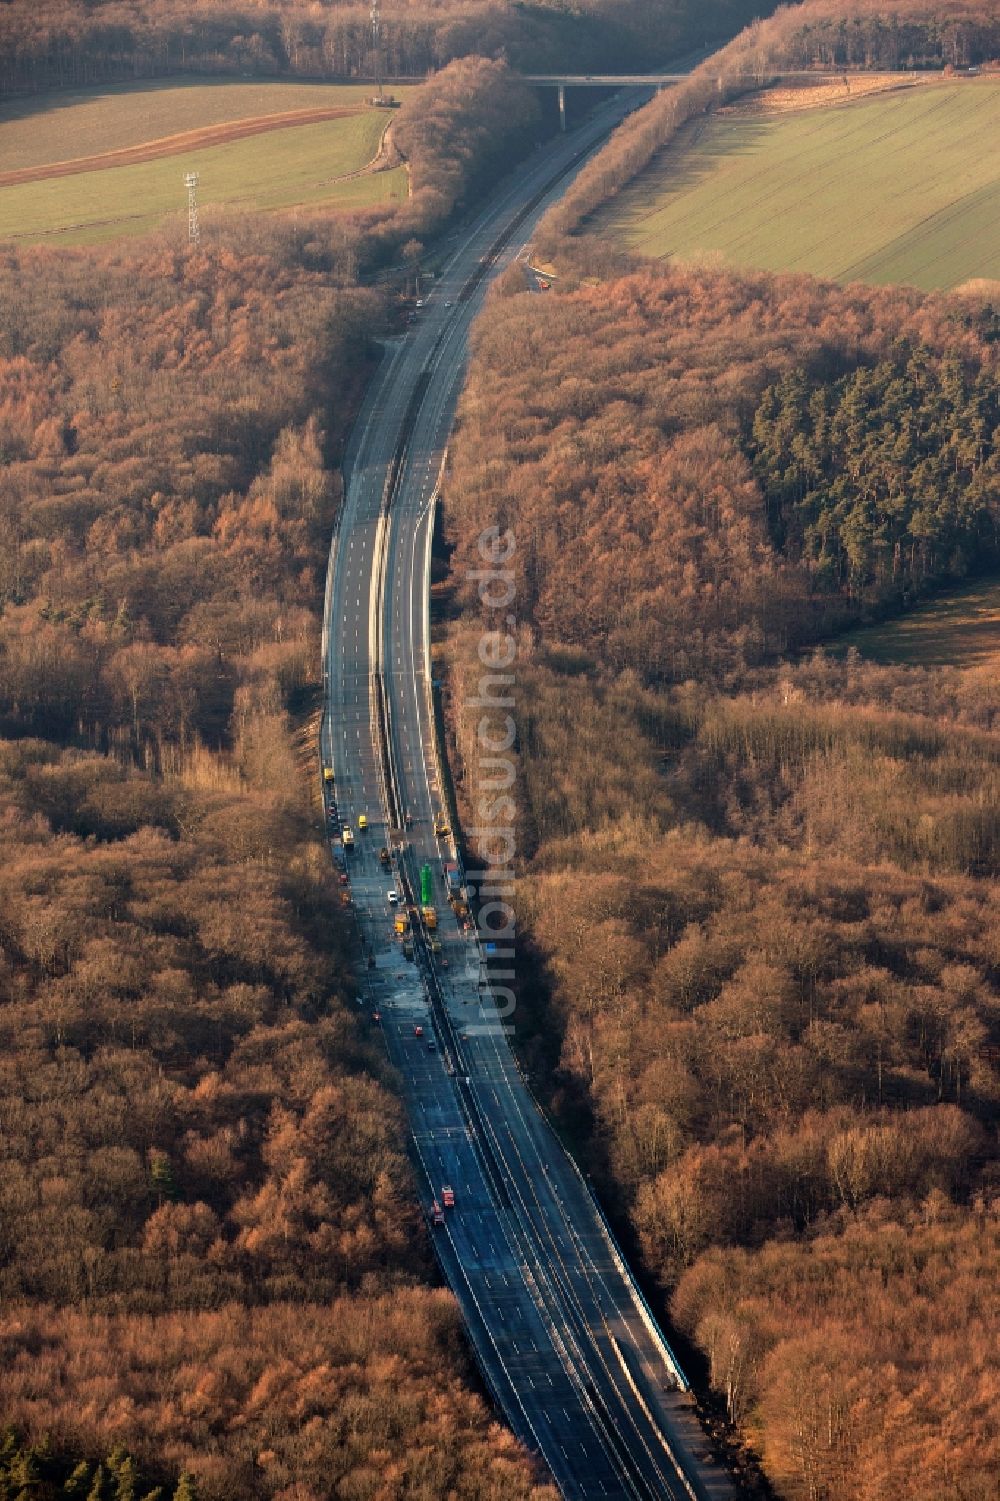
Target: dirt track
x,y
176,145
784,98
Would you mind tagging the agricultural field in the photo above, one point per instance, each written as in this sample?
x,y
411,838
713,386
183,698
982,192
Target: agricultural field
x,y
95,166
958,629
899,187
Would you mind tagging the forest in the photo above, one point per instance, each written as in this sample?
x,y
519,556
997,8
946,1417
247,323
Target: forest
x,y
215,1280
214,1276
55,43
758,898
791,453
883,480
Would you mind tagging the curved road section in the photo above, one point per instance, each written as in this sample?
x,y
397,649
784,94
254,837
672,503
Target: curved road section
x,y
563,1337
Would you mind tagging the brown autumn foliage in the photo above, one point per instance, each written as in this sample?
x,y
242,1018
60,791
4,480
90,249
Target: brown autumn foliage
x,y
167,421
164,497
759,903
881,34
460,131
210,1252
867,1355
663,444
350,1397
72,42
190,1113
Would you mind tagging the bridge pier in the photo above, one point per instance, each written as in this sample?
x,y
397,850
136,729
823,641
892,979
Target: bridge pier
x,y
562,106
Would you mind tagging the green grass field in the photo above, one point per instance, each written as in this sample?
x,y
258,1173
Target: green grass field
x,y
959,629
901,187
61,124
279,169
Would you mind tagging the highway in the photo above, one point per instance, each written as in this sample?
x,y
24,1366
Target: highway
x,y
562,1336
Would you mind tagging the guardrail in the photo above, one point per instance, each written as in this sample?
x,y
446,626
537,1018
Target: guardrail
x,y
437,751
390,791
325,724
440,761
448,1032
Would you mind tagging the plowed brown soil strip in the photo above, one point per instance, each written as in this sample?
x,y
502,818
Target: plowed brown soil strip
x,y
783,99
188,140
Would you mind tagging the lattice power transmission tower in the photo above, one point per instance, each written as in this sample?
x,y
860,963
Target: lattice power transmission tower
x,y
194,228
376,48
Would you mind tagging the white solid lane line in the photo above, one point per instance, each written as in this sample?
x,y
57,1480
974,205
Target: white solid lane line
x,y
452,999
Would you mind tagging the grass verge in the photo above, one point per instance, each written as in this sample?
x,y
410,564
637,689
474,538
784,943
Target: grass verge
x,y
959,629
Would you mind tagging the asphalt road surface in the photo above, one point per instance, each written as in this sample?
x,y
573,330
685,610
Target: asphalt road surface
x,y
562,1335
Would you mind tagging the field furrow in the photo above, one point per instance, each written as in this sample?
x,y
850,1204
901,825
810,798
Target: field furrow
x,y
901,187
95,167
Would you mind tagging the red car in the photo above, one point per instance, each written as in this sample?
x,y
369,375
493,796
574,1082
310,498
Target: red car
x,y
418,1031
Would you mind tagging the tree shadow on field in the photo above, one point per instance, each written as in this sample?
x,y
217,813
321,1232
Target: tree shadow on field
x,y
960,628
681,166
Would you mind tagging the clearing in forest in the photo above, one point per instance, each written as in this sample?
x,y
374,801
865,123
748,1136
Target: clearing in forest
x,y
958,629
897,187
111,162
